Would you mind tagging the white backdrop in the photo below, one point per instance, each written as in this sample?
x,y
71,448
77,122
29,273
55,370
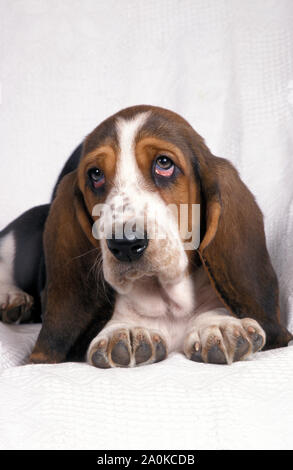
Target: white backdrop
x,y
225,65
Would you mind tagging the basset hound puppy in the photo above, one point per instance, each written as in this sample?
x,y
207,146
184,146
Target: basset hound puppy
x,y
134,298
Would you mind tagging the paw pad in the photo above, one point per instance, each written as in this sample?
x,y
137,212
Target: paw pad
x,y
223,341
125,348
15,306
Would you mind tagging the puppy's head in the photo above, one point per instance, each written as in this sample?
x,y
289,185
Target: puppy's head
x,y
139,183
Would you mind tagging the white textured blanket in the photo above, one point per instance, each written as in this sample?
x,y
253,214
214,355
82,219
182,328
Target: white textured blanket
x,y
175,404
226,66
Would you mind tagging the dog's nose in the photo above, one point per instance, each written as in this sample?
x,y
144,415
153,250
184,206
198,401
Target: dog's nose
x,y
127,249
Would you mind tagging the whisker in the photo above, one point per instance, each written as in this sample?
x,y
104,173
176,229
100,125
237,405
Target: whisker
x,y
100,278
97,271
86,253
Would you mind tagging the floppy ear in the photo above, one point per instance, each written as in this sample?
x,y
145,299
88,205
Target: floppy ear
x,y
233,249
76,303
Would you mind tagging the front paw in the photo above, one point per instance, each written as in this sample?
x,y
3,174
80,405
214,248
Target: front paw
x,y
15,305
126,347
223,340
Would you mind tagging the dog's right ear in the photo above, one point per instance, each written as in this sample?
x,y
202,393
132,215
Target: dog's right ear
x,y
75,297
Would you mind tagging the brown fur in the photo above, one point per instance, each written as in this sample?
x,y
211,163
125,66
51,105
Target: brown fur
x,y
77,304
233,248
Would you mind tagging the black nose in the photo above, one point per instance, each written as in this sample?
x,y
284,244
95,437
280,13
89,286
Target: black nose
x,y
127,249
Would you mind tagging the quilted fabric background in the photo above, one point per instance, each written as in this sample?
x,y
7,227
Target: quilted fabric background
x,y
227,67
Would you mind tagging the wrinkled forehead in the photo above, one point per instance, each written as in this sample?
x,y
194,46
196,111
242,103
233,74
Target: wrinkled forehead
x,y
129,126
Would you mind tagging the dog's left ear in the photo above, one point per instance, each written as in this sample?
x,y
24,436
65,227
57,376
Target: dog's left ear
x,y
233,247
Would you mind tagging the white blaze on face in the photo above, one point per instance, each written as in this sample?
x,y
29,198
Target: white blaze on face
x,y
127,171
165,256
128,192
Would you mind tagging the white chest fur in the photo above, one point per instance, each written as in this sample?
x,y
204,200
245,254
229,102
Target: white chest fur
x,y
166,308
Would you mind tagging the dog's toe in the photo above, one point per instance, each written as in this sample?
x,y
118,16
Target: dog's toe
x,y
120,348
99,355
160,348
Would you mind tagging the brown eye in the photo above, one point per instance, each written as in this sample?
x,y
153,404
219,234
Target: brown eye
x,y
96,177
164,166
